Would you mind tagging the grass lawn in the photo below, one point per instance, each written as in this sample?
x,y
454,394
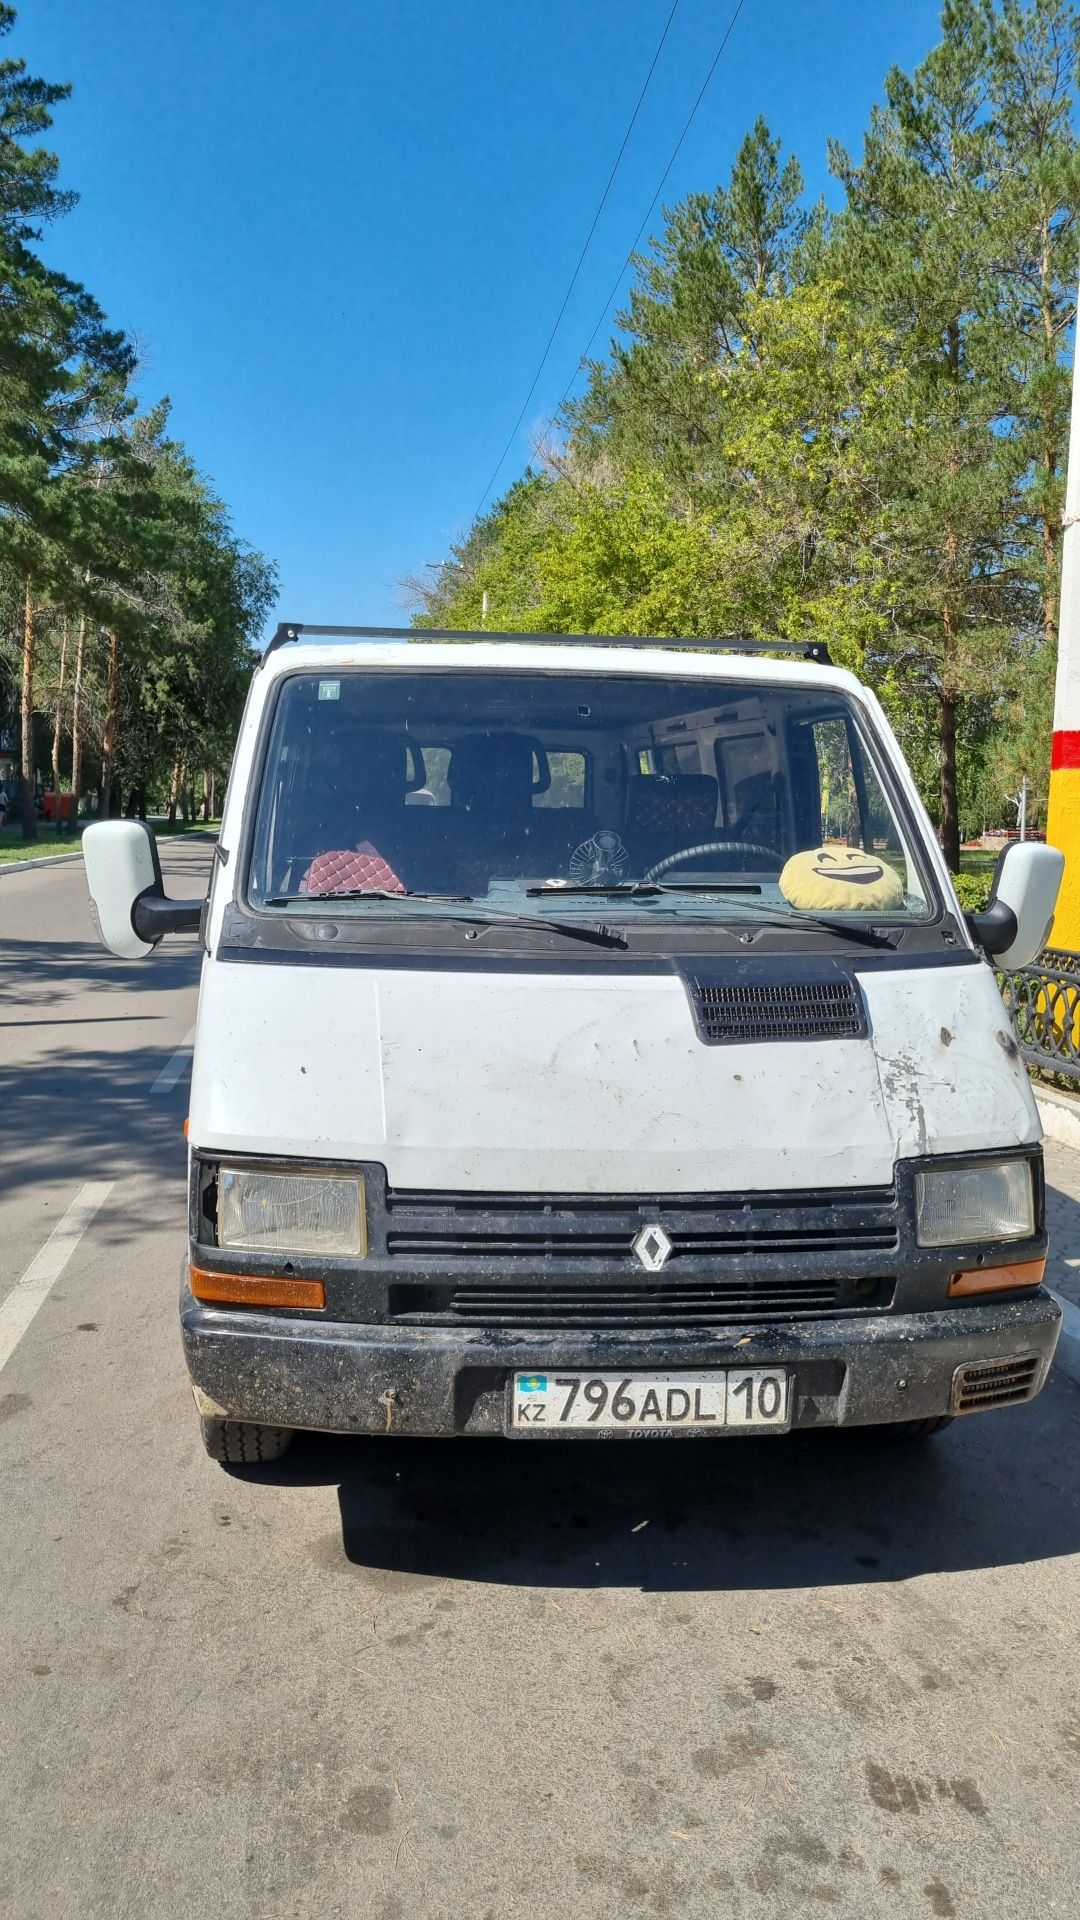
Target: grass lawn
x,y
978,860
14,848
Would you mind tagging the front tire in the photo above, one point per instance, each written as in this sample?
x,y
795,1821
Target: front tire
x,y
242,1443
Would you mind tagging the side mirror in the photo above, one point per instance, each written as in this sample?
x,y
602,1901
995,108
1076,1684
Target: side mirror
x,y
1015,926
127,896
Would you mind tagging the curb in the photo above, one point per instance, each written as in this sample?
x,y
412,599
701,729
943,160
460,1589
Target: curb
x,y
27,866
1060,1117
1067,1356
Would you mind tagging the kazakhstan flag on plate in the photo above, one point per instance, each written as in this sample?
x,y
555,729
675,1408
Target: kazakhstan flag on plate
x,y
533,1383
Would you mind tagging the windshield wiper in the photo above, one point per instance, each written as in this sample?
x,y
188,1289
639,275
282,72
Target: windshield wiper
x,y
863,936
600,936
648,889
624,887
364,893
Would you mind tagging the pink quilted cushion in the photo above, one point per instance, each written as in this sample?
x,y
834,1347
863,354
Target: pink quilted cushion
x,y
349,870
657,806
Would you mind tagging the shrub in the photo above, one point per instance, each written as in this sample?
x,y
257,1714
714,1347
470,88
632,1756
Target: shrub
x,y
972,890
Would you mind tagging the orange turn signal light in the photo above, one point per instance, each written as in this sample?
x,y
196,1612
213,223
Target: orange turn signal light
x,y
1022,1273
255,1290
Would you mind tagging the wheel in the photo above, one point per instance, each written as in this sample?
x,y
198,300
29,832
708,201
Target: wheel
x,y
240,1443
915,1429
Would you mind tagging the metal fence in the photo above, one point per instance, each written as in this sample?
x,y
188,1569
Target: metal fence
x,y
1044,1004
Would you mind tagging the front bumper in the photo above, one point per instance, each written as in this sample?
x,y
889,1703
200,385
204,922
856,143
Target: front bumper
x,y
357,1378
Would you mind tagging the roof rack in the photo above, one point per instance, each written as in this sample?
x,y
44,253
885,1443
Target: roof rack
x,y
290,630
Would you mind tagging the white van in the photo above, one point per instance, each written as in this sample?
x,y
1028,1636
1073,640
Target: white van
x,y
590,1041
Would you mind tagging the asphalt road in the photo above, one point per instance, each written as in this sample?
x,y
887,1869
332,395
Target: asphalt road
x,y
770,1678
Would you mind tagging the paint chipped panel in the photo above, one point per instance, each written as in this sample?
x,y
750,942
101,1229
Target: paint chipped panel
x,y
208,1408
951,1073
551,1083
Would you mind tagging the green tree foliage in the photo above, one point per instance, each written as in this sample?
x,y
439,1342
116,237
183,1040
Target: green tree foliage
x,y
128,608
851,426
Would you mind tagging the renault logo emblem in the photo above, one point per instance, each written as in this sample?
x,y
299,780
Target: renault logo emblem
x,y
652,1247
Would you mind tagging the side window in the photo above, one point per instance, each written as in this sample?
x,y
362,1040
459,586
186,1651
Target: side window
x,y
569,780
435,791
837,789
750,792
882,832
840,798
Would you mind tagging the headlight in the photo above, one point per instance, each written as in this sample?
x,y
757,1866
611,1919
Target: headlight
x,y
291,1212
992,1200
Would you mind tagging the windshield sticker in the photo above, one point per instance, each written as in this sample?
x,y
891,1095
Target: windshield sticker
x,y
601,858
329,689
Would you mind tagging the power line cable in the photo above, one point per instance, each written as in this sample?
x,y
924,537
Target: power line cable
x,y
649,210
581,258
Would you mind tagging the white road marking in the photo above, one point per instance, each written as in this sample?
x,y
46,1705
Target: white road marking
x,y
174,1068
17,1311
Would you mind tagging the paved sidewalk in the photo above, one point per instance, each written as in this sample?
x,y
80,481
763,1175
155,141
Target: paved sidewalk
x,y
1063,1220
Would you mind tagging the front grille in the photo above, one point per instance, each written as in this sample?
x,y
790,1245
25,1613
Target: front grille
x,y
584,1229
652,1304
995,1383
727,1011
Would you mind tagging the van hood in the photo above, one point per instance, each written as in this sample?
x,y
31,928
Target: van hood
x,y
500,1081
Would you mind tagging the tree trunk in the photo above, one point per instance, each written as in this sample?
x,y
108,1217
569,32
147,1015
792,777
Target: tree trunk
x,y
59,721
76,713
26,785
112,707
213,797
950,817
174,792
1051,452
205,795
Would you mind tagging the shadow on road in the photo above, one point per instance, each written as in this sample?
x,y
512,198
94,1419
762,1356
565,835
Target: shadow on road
x,y
88,1108
809,1510
38,974
92,1117
81,1103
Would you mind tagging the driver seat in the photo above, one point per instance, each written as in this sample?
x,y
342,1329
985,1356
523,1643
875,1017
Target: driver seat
x,y
667,812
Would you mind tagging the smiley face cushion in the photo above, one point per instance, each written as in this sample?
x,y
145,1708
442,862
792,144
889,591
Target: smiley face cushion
x,y
844,879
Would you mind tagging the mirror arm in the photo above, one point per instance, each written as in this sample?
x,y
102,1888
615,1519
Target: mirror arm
x,y
154,914
994,929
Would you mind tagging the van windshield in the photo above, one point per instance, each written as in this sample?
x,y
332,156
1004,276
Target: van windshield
x,y
530,792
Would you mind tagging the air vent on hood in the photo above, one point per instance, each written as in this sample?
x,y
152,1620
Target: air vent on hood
x,y
746,1010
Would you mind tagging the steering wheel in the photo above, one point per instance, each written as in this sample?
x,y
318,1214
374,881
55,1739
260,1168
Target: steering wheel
x,y
711,846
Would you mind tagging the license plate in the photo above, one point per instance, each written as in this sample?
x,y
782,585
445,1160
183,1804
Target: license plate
x,y
649,1402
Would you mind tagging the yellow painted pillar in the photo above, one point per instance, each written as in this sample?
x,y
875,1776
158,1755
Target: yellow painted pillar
x,y
1063,816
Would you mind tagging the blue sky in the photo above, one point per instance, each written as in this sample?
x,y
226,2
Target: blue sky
x,y
340,232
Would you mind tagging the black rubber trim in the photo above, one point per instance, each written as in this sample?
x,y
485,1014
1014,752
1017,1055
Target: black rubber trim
x,y
364,959
154,914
